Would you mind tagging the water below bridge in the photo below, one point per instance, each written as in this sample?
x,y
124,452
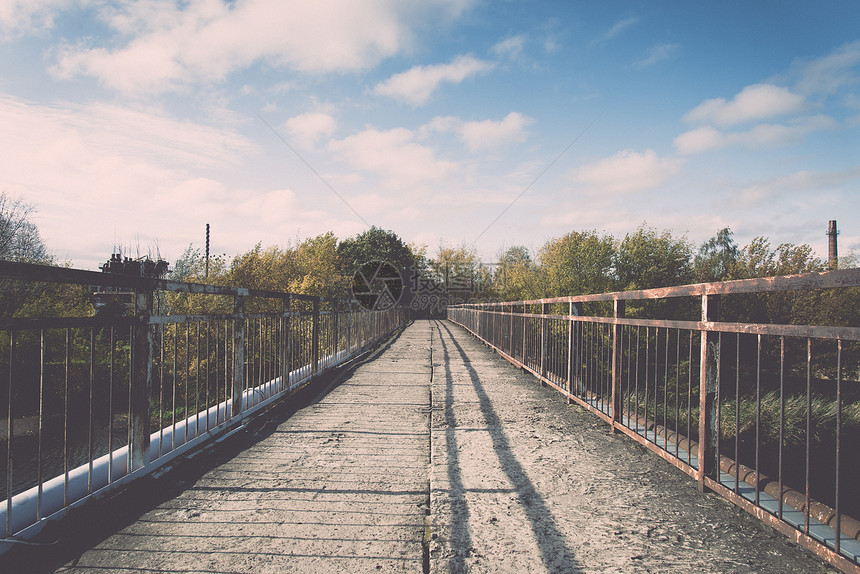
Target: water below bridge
x,y
432,455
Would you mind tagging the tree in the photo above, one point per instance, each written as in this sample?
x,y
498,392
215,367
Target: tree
x,y
20,242
577,263
717,257
647,260
19,238
515,277
758,259
457,268
377,244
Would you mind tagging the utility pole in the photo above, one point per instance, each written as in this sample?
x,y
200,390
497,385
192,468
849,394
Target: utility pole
x,y
207,251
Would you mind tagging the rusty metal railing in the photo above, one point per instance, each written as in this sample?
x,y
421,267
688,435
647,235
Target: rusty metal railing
x,y
88,403
767,415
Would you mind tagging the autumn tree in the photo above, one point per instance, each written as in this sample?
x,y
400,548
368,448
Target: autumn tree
x,y
458,268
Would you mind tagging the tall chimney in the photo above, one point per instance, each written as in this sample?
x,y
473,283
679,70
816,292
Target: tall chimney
x,y
832,248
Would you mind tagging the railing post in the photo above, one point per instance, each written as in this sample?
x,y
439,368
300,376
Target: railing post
x,y
511,341
544,335
141,379
708,381
349,329
570,326
238,354
576,341
335,333
315,337
525,320
286,363
617,332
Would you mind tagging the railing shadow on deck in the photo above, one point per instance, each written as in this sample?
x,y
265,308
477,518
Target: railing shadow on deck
x,y
555,552
733,405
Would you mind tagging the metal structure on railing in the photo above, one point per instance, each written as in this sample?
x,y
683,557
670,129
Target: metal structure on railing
x,y
754,412
88,403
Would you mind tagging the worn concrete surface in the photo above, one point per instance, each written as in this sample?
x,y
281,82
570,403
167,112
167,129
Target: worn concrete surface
x,y
518,481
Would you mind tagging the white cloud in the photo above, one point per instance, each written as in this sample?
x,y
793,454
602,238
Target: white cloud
x,y
657,54
828,74
395,156
310,128
416,86
708,138
485,134
620,27
489,134
753,103
700,139
511,47
93,169
628,171
801,182
164,45
22,17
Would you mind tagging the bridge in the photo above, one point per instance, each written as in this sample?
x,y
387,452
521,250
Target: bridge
x,y
517,436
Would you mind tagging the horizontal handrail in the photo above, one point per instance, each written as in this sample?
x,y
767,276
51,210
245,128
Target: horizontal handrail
x,y
700,394
89,403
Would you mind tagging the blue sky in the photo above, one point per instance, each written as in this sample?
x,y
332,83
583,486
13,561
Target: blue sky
x,y
447,121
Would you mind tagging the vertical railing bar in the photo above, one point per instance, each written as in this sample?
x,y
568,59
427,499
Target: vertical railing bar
x,y
690,398
66,367
161,346
758,420
666,394
9,435
208,367
91,427
187,376
288,360
227,374
647,365
629,394
196,378
636,378
129,427
39,472
173,385
570,352
656,381
781,423
110,405
718,402
808,430
737,411
838,508
677,393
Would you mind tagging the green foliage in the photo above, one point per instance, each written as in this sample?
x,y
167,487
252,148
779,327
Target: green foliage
x,y
647,260
377,244
717,257
456,266
576,264
514,278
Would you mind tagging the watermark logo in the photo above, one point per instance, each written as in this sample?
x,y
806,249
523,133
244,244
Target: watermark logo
x,y
377,285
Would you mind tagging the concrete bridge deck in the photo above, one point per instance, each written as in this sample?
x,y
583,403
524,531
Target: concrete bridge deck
x,y
434,456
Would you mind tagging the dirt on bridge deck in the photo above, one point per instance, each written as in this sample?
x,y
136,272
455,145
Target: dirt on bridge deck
x,y
435,456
